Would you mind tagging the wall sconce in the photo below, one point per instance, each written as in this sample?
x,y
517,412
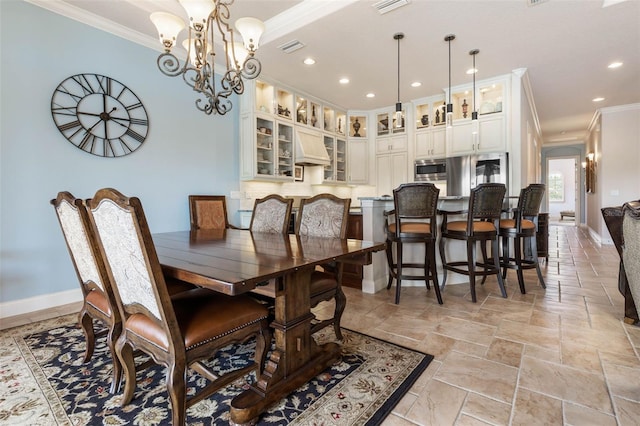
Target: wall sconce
x,y
590,156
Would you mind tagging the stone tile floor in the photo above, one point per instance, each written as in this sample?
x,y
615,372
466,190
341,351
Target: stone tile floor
x,y
560,356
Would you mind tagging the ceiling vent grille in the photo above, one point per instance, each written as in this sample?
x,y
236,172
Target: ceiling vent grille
x,y
385,6
535,2
291,46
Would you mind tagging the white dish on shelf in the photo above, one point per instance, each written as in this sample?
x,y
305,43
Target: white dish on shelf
x,y
487,107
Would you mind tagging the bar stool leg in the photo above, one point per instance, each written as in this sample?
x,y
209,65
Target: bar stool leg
x,y
517,246
534,252
389,250
495,248
426,265
444,262
434,271
471,264
399,273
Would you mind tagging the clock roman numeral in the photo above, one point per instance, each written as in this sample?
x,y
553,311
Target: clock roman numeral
x,y
68,126
134,135
139,121
83,83
70,111
134,106
87,140
105,84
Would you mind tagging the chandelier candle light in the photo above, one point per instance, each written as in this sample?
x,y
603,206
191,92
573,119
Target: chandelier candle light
x,y
209,23
449,119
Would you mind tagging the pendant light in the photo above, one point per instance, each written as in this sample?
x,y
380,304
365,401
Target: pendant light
x,y
398,116
449,119
474,114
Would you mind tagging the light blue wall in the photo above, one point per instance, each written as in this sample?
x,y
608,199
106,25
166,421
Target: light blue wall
x,y
185,152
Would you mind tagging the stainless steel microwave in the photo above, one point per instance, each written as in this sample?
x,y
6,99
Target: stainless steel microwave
x,y
430,170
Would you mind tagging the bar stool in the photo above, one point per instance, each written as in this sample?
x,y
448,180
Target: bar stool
x,y
481,225
522,229
414,222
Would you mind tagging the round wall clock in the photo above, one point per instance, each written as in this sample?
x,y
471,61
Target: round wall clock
x,y
99,115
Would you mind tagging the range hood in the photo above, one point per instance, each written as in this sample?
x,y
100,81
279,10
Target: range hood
x,y
310,149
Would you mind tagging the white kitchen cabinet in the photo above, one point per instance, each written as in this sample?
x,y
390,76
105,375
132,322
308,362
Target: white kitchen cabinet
x,y
391,171
335,172
357,161
391,144
431,143
267,148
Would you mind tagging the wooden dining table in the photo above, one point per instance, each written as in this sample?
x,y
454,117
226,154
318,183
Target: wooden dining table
x,y
234,262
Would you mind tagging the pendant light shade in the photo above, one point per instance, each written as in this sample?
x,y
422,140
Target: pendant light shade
x,y
398,115
449,118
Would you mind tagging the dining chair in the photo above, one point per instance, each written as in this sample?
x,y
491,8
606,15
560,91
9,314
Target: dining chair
x,y
271,214
631,247
414,222
613,217
325,215
480,226
208,212
177,332
522,229
98,300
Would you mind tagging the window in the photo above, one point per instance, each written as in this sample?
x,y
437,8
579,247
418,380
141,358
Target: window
x,y
556,187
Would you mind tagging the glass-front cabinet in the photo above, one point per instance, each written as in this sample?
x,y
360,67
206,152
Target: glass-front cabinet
x,y
285,158
284,104
389,123
429,137
358,126
336,171
341,123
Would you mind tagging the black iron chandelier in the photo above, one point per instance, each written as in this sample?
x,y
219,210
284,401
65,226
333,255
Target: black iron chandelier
x,y
208,25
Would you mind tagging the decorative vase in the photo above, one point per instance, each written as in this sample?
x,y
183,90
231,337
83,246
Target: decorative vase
x,y
438,116
465,108
425,120
356,128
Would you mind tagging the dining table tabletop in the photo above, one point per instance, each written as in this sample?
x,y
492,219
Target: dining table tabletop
x,y
233,262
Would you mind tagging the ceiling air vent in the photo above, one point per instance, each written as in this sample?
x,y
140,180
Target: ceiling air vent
x,y
385,6
535,2
291,46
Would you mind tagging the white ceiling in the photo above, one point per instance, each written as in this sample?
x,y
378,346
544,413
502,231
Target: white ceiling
x,y
565,45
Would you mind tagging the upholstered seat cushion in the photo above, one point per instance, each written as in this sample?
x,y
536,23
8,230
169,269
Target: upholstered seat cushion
x,y
478,226
322,282
511,223
98,300
203,315
411,228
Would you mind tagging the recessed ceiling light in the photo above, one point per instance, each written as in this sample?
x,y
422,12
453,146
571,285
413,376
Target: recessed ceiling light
x,y
472,70
371,95
416,84
344,80
309,61
599,99
614,65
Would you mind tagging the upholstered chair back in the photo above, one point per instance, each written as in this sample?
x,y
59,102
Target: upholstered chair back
x,y
324,215
208,212
271,214
486,201
530,200
74,228
131,257
631,247
415,201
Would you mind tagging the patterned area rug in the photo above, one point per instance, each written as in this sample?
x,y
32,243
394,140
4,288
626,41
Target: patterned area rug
x,y
44,382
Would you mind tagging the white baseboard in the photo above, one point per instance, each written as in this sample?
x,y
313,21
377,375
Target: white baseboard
x,y
37,303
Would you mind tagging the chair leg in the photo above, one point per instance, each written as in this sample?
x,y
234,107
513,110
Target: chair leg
x,y
388,250
176,387
517,246
495,248
86,323
534,252
471,265
125,354
431,249
505,256
114,332
399,273
341,303
483,248
263,344
444,262
426,265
